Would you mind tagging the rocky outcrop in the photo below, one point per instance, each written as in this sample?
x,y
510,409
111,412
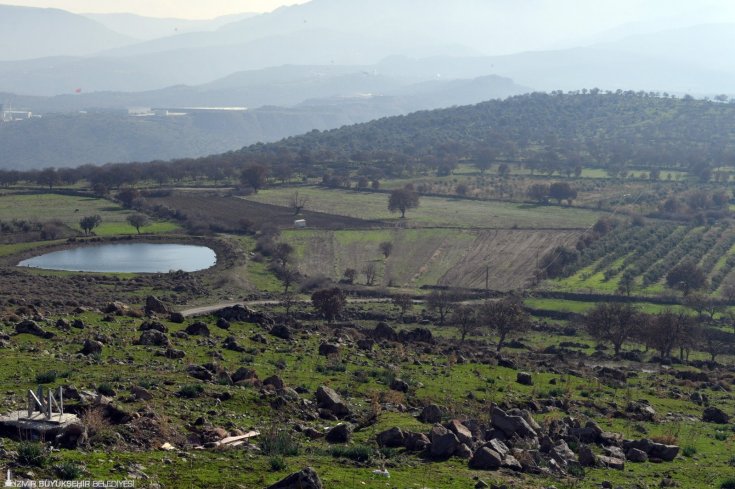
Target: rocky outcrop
x,y
305,479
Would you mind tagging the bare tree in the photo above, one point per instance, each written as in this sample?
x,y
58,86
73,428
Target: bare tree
x,y
613,322
505,317
465,318
404,302
371,272
441,301
298,202
386,248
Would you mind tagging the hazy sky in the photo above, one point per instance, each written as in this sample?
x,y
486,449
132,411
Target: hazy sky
x,y
183,9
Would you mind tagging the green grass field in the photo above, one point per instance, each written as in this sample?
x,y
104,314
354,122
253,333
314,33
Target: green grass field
x,y
433,211
70,209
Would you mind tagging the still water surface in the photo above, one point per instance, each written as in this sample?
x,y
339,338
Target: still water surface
x,y
129,257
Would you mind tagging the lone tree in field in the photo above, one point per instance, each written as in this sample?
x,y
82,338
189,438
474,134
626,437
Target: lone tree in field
x,y
386,248
505,317
404,303
562,191
465,318
138,221
298,202
613,322
441,301
402,199
255,175
329,302
686,277
88,223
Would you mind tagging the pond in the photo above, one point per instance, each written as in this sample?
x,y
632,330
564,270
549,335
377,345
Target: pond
x,y
128,257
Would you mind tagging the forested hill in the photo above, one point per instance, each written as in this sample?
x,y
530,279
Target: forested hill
x,y
546,131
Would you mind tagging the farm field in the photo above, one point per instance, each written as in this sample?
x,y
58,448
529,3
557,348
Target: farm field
x,y
70,209
429,256
433,211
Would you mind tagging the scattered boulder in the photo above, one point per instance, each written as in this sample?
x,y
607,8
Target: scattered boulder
x,y
153,338
327,398
117,308
31,327
339,434
281,331
140,393
153,325
486,459
240,313
305,479
78,324
223,323
383,331
524,378
463,451
198,329
153,305
416,442
176,317
274,381
586,456
199,372
611,462
511,425
418,335
635,455
431,414
715,415
464,435
91,347
399,385
244,373
443,442
366,344
63,324
667,453
231,344
174,354
327,349
392,438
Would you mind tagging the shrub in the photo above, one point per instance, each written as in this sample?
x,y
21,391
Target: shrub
x,y
68,470
277,463
358,453
278,442
689,451
106,389
728,483
31,454
191,391
46,377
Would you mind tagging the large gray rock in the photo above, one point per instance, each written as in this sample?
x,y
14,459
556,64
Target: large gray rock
x,y
498,446
586,456
31,327
327,398
486,459
339,434
431,414
306,479
91,347
392,438
637,456
154,305
611,462
327,349
153,338
464,435
443,442
198,329
416,442
524,378
667,453
715,415
511,425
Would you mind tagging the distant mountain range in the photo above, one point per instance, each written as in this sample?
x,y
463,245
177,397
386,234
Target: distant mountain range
x,y
518,40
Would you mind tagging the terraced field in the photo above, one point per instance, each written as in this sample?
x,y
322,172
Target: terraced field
x,y
458,258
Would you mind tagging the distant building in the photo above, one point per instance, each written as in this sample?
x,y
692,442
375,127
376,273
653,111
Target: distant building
x,y
300,223
11,115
